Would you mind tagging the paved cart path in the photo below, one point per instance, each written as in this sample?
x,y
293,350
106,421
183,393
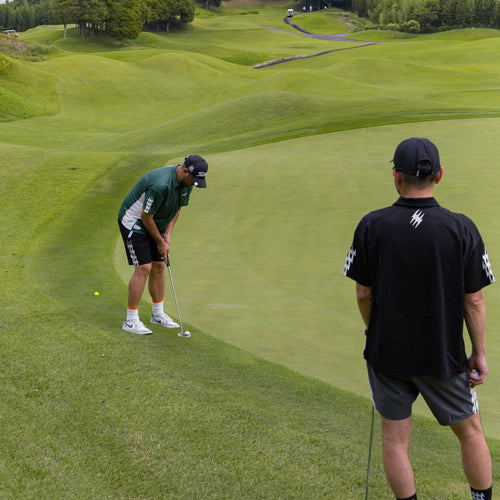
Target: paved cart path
x,y
338,37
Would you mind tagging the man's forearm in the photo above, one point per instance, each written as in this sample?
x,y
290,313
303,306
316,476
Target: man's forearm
x,y
171,225
364,298
151,226
475,320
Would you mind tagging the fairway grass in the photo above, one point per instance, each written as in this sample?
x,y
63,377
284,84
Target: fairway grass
x,y
269,398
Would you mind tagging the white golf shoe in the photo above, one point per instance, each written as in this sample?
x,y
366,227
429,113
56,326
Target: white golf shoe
x,y
136,326
164,320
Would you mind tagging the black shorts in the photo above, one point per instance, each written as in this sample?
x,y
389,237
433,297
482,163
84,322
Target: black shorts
x,y
451,400
141,248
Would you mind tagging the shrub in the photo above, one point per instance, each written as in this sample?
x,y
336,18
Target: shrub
x,y
5,64
411,26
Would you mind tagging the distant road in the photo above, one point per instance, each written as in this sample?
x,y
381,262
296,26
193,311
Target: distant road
x,y
338,37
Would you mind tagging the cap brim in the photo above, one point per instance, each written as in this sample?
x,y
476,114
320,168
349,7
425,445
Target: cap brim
x,y
199,182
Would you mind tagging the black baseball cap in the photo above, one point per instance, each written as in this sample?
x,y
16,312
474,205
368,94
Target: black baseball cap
x,y
414,156
198,168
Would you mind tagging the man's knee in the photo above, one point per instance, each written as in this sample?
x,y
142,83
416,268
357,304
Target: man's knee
x,y
143,270
396,432
468,428
157,268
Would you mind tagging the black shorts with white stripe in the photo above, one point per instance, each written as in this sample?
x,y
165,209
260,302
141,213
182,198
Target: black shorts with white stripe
x,y
141,248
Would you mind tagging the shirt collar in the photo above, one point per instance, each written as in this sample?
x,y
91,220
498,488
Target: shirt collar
x,y
416,202
177,184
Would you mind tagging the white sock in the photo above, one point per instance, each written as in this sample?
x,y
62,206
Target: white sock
x,y
132,314
158,308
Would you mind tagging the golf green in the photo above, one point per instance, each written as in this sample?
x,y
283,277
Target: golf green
x,y
258,256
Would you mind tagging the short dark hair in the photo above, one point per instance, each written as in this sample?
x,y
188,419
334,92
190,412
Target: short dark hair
x,y
424,177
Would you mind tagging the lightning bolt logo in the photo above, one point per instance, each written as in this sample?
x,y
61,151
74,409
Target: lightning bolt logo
x,y
417,218
349,260
487,267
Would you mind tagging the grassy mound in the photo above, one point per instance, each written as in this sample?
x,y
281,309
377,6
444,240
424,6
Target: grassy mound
x,y
25,90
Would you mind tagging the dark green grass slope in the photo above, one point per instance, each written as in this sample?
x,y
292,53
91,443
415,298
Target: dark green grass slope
x,y
91,412
26,91
165,94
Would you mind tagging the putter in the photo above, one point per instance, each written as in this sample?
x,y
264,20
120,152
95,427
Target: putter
x,y
182,333
369,454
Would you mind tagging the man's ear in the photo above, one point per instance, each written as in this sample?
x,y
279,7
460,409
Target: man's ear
x,y
397,176
439,176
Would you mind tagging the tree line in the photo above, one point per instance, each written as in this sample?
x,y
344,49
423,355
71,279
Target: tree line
x,y
122,19
125,19
429,15
432,15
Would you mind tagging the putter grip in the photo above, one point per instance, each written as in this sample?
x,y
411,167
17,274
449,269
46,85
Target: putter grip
x,y
168,261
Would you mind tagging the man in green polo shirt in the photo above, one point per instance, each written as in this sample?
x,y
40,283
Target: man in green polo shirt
x,y
146,219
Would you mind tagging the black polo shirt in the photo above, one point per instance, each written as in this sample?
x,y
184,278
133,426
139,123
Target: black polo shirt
x,y
420,259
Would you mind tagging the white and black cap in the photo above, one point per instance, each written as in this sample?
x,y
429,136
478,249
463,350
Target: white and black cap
x,y
198,168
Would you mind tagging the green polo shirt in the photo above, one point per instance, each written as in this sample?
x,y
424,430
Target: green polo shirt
x,y
159,193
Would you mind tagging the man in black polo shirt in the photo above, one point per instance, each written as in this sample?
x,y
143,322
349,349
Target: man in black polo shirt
x,y
419,272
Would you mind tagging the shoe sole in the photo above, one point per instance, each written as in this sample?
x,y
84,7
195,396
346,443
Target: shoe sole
x,y
166,326
137,333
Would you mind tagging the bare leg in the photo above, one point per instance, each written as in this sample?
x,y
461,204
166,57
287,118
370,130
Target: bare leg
x,y
157,281
395,442
476,456
137,283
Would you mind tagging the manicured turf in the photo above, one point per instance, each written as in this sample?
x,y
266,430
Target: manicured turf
x,y
298,153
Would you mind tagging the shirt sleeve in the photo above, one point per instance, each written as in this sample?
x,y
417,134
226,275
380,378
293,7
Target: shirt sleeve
x,y
478,272
477,267
152,201
356,264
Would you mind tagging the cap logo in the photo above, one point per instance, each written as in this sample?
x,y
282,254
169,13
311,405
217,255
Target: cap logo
x,y
199,174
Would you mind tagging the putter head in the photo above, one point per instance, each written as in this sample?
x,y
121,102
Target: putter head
x,y
184,334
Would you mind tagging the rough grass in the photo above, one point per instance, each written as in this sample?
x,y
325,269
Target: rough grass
x,y
14,47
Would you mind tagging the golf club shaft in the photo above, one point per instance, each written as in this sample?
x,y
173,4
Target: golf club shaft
x,y
175,297
370,454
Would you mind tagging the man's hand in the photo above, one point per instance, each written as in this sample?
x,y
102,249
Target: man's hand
x,y
162,243
478,369
163,248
